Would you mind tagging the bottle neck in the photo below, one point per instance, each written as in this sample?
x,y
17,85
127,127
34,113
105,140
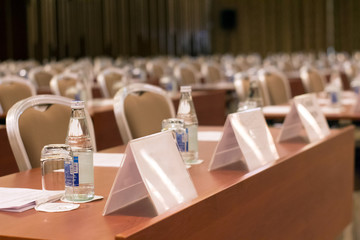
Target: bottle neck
x,y
78,113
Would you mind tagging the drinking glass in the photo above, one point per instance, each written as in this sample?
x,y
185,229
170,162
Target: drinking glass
x,y
53,159
243,106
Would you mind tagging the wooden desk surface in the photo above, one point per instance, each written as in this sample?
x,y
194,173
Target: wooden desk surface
x,y
306,194
346,111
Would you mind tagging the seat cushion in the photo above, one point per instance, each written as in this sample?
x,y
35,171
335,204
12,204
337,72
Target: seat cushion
x,y
11,93
145,112
41,127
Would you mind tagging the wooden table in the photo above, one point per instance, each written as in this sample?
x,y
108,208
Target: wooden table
x,y
306,194
345,112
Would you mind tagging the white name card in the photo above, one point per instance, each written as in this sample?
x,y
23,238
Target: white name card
x,y
305,113
152,167
246,138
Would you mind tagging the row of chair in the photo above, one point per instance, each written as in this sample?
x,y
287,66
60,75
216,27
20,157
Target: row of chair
x,y
43,119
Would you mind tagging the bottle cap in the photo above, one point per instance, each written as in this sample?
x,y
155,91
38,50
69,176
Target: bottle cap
x,y
77,104
185,89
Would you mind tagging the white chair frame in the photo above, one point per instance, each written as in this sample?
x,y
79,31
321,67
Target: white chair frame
x,y
119,110
54,86
13,131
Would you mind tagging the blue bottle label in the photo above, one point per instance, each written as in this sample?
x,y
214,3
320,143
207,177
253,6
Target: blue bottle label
x,y
68,174
76,171
181,140
334,97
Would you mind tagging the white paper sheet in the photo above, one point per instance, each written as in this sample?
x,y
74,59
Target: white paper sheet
x,y
108,159
21,199
209,136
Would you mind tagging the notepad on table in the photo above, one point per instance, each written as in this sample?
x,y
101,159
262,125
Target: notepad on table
x,y
22,199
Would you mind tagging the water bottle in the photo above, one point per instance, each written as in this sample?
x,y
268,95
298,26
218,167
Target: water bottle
x,y
186,111
79,174
254,93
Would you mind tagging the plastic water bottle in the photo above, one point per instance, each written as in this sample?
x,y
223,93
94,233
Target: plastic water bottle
x,y
254,93
79,176
186,111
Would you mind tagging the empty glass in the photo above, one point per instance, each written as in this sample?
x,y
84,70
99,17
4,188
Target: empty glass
x,y
53,159
243,106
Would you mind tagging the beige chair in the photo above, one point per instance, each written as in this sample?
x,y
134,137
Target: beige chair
x,y
186,74
139,110
67,85
155,69
212,73
312,80
274,86
37,121
12,90
40,77
111,80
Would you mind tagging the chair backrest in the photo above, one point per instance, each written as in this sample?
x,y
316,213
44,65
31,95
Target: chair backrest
x,y
66,85
312,79
111,80
212,73
139,110
37,121
41,77
12,90
186,74
155,69
275,87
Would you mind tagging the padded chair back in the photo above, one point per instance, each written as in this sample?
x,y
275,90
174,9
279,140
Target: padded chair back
x,y
37,121
155,69
139,110
186,74
212,73
12,90
40,77
275,87
312,80
110,81
66,85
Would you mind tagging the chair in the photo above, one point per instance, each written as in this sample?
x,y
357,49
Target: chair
x,y
67,85
12,90
186,74
274,86
212,73
139,110
37,121
41,77
312,80
111,80
155,69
